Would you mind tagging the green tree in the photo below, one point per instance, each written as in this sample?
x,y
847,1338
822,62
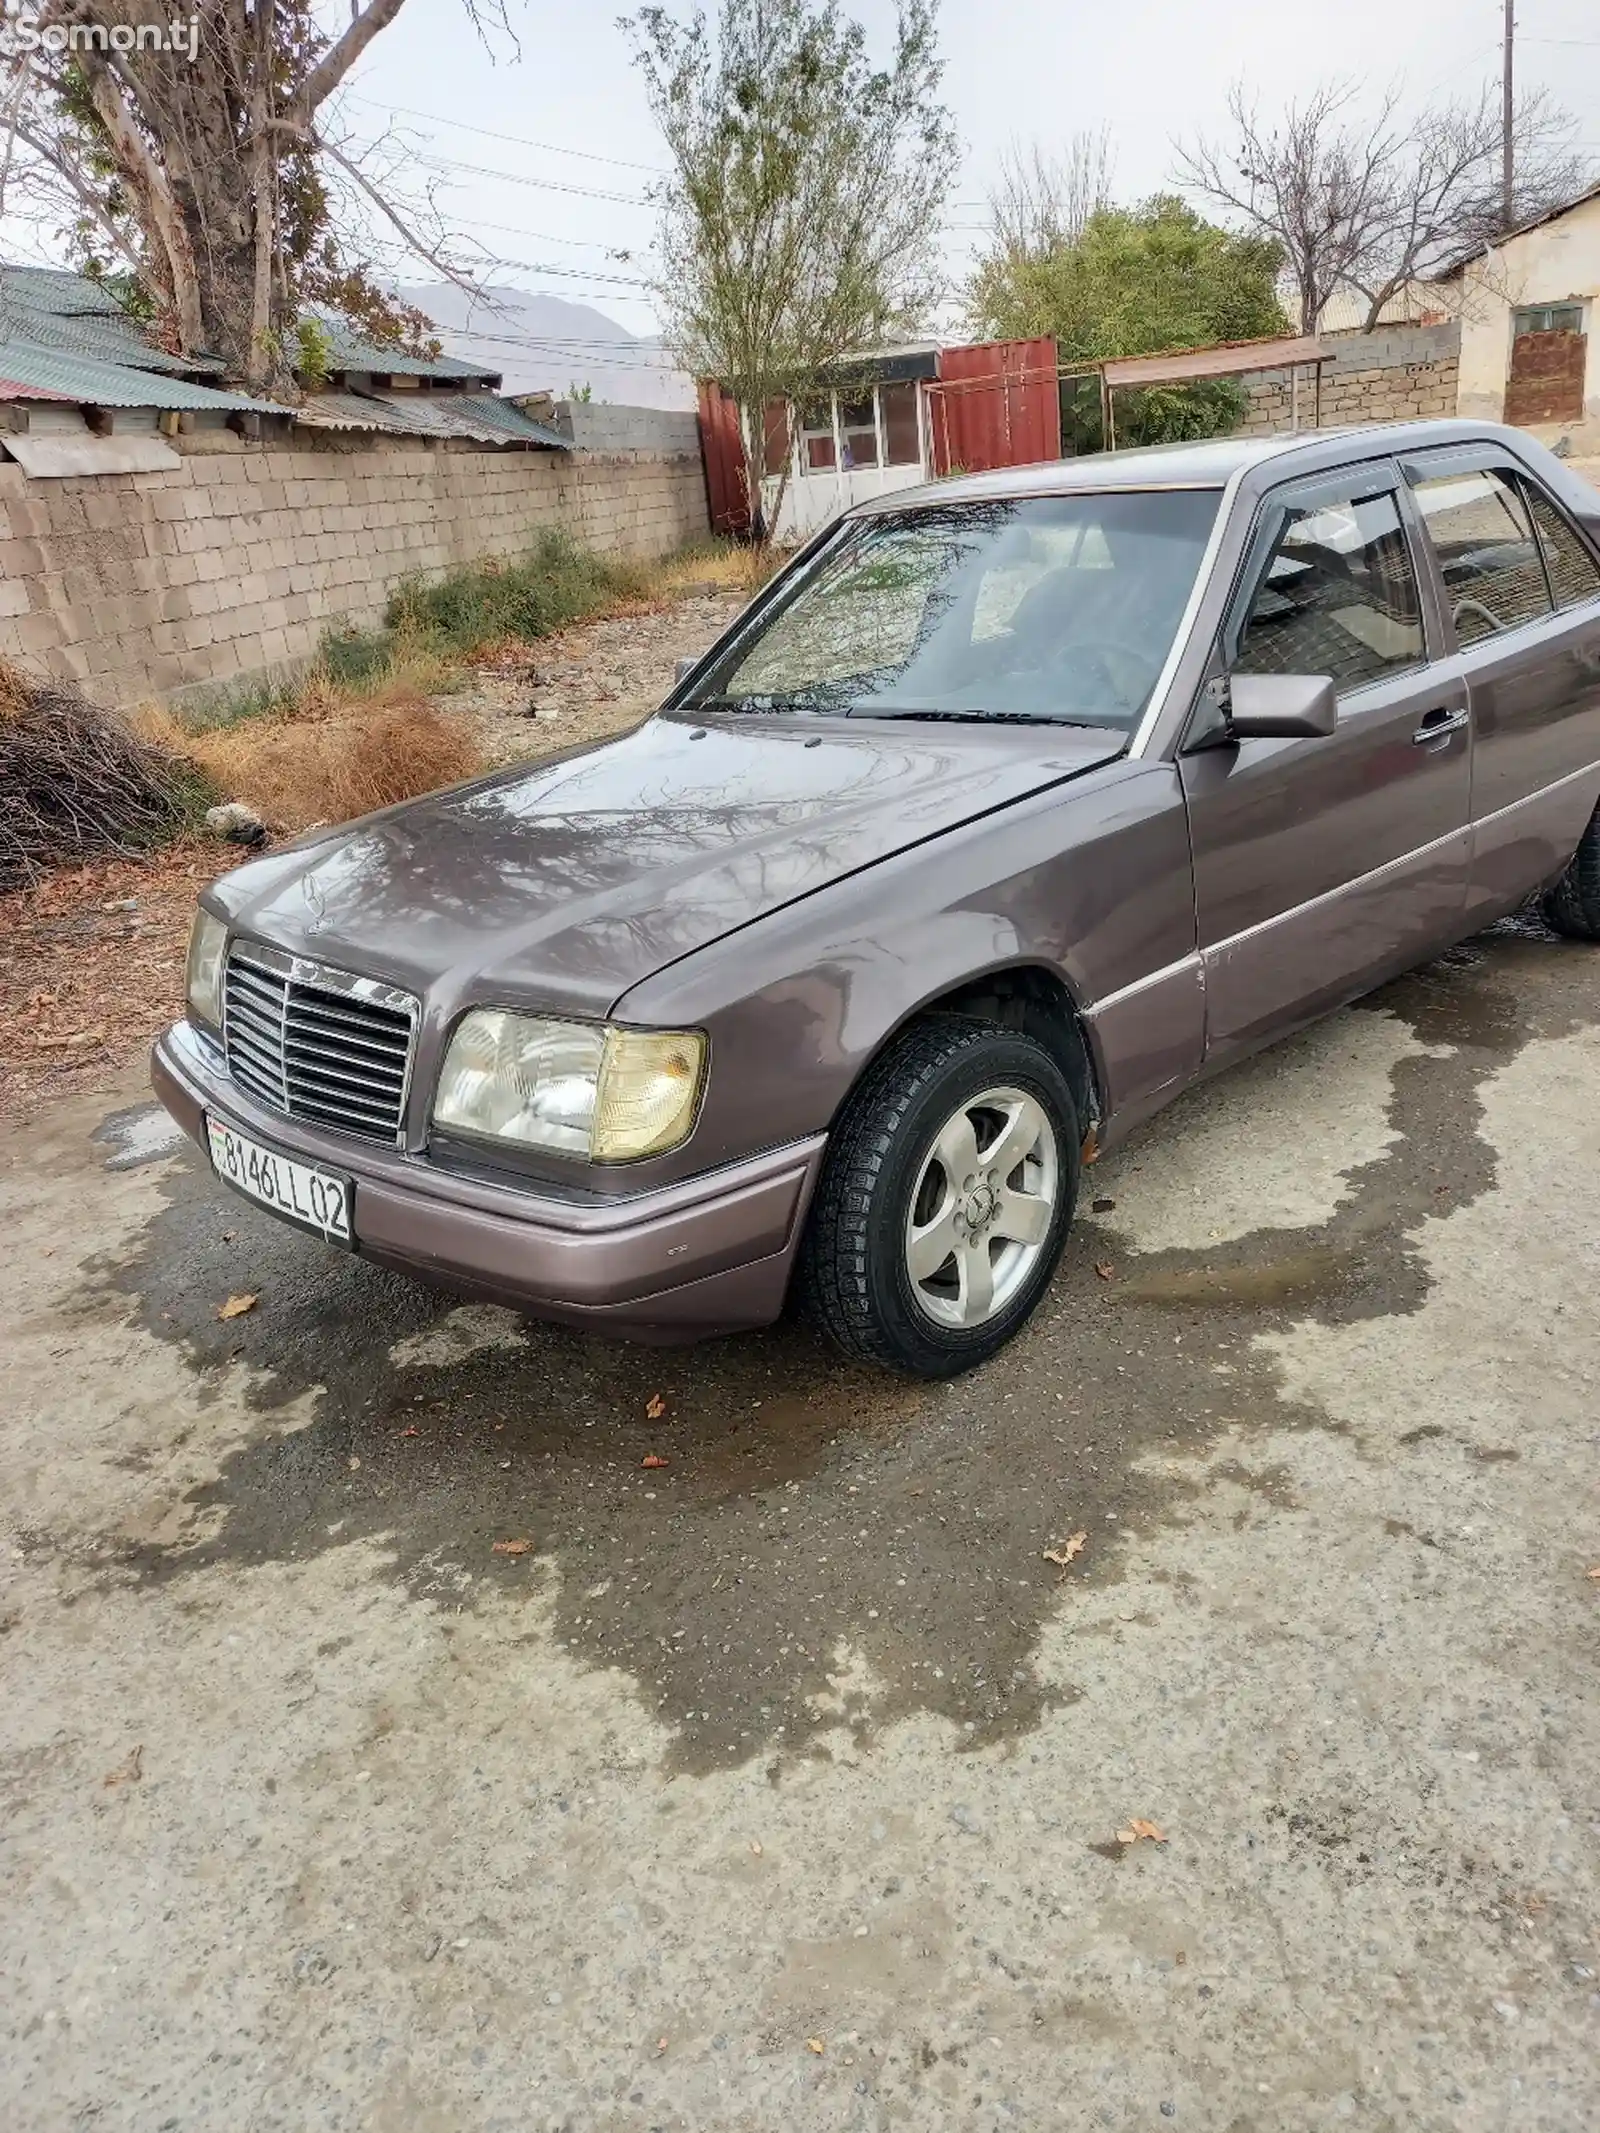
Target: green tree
x,y
801,219
1135,281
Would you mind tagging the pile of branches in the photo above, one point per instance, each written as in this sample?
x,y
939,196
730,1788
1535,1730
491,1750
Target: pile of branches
x,y
76,783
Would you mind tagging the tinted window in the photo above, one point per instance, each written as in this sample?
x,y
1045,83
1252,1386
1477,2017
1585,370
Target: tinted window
x,y
1338,596
1493,577
1574,574
1041,607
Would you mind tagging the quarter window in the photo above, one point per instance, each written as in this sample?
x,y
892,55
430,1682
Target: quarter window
x,y
1338,596
1493,577
1574,574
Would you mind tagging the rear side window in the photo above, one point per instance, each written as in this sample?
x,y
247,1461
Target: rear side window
x,y
1574,574
1338,596
1493,574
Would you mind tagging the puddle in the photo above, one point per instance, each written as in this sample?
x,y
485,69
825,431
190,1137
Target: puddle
x,y
804,1507
142,1134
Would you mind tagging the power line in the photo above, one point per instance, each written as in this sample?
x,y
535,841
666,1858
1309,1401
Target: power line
x,y
549,185
516,140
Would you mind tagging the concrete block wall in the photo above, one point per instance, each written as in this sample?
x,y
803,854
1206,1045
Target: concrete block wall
x,y
1400,374
233,564
597,426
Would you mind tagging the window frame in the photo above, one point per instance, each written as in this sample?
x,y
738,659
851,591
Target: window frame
x,y
1446,460
1355,480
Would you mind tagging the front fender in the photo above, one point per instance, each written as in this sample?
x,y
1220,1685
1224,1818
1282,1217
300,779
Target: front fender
x,y
1090,882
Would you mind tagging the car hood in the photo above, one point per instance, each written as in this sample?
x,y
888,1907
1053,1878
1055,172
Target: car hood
x,y
567,883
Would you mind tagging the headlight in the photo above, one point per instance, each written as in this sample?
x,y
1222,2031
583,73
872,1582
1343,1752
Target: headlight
x,y
203,978
578,1087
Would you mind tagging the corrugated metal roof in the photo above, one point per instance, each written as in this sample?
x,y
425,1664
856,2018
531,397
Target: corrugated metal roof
x,y
98,335
60,376
54,289
1228,359
481,417
348,351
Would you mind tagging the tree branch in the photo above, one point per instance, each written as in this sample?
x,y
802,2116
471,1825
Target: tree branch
x,y
341,56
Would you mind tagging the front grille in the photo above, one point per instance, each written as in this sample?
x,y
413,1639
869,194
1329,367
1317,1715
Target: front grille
x,y
317,1044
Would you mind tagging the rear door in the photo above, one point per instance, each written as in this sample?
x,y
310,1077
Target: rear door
x,y
1322,866
1520,591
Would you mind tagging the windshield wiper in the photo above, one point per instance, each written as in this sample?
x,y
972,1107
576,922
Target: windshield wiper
x,y
756,706
970,718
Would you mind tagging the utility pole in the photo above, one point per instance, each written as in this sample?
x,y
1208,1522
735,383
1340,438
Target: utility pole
x,y
1508,190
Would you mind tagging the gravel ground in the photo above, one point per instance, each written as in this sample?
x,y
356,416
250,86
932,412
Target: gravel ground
x,y
599,678
385,1746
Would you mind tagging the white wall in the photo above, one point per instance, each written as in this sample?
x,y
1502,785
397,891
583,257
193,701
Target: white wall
x,y
1557,263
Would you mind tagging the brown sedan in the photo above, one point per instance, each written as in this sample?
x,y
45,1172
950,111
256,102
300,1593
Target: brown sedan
x,y
1013,807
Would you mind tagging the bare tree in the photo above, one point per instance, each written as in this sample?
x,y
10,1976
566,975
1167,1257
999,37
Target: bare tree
x,y
1315,181
204,155
1042,201
1374,202
801,219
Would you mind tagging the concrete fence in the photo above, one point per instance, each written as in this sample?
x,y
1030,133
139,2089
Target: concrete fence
x,y
233,564
1399,374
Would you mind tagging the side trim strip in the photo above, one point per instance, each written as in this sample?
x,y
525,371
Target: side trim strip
x,y
1188,963
1391,866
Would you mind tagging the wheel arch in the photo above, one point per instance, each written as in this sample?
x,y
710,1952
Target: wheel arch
x,y
1027,996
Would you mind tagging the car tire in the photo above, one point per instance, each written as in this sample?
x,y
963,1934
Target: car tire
x,y
1573,905
886,1202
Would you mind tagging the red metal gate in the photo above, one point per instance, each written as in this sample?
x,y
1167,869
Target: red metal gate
x,y
722,448
997,404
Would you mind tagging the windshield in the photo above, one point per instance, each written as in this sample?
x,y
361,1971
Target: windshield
x,y
1049,608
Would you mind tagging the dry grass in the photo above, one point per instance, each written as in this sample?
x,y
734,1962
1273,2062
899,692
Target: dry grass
x,y
341,753
729,566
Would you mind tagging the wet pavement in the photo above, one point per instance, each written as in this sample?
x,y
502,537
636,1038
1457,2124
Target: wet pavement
x,y
416,1717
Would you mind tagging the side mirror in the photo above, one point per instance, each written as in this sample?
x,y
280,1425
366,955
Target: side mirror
x,y
1281,707
683,669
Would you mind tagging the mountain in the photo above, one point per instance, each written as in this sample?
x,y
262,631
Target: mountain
x,y
546,344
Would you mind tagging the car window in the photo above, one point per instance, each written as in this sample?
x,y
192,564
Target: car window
x,y
1574,573
1479,526
1057,607
1338,595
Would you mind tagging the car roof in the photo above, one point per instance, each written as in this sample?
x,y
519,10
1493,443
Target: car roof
x,y
1210,464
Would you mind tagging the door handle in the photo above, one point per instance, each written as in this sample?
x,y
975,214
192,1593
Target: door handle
x,y
1438,724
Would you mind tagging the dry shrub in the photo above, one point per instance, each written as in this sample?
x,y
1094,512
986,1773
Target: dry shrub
x,y
335,760
77,783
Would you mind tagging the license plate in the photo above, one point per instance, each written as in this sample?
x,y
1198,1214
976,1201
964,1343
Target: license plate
x,y
314,1198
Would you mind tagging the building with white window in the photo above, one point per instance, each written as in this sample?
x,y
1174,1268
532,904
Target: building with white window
x,y
1530,340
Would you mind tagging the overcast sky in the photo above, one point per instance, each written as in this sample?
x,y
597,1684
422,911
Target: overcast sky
x,y
1146,69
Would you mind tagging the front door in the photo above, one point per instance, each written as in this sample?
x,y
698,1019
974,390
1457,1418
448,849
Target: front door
x,y
1323,866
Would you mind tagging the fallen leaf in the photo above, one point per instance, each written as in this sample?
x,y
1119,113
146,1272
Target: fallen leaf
x,y
129,1771
353,1463
661,2045
654,1459
236,1306
1105,1270
655,1407
1069,1550
1137,1829
1595,1572
755,1846
511,1548
1104,1206
817,2044
408,1433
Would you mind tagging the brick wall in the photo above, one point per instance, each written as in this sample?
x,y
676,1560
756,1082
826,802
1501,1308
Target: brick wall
x,y
1400,374
234,563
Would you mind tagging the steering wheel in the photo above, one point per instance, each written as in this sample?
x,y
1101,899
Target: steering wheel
x,y
1095,654
1475,607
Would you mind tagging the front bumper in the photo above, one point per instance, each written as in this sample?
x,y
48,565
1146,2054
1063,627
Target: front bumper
x,y
711,1254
